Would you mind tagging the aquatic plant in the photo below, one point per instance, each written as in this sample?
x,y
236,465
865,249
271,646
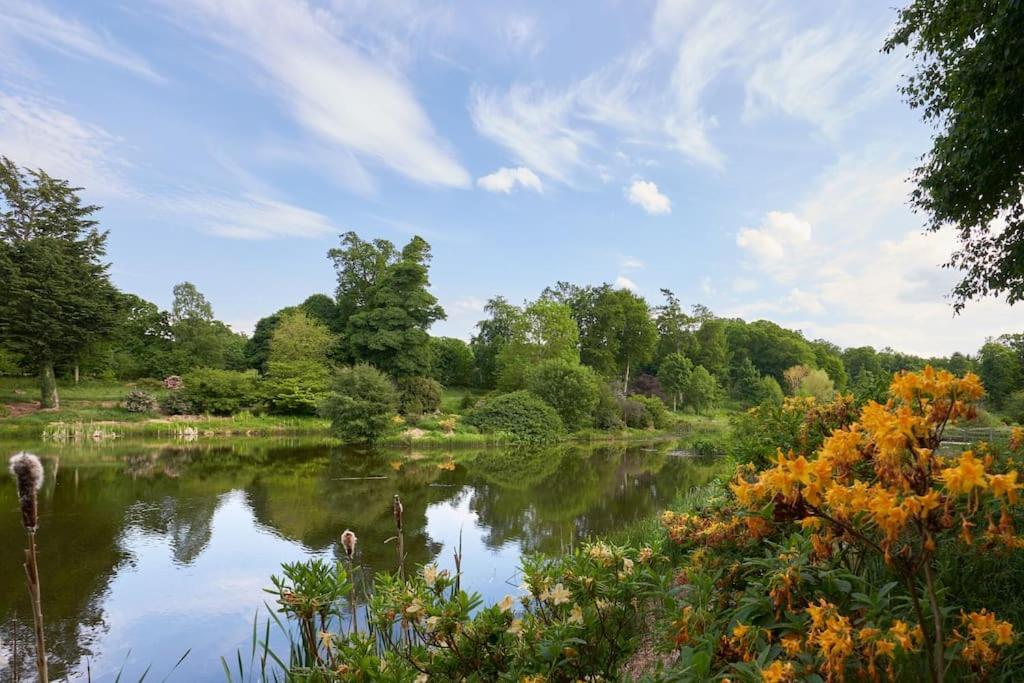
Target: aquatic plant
x,y
28,477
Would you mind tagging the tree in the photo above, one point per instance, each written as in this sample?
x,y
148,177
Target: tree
x,y
298,337
56,298
969,84
571,389
140,344
257,347
828,357
544,331
674,375
675,328
1000,370
746,383
359,266
387,319
713,347
818,384
361,404
298,369
190,304
493,334
451,361
861,359
702,391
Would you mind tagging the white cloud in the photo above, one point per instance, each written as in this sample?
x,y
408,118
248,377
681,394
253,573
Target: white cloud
x,y
36,134
742,285
251,217
534,125
778,232
335,91
631,263
623,282
522,35
33,22
506,179
865,273
645,194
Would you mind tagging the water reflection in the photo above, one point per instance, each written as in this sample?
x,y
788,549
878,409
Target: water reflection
x,y
151,550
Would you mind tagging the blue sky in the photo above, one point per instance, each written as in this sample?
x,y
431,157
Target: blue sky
x,y
749,156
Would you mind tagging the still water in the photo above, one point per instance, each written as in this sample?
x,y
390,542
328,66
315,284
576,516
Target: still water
x,y
147,551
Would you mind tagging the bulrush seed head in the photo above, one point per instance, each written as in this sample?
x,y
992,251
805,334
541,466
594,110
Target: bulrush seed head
x,y
398,510
28,477
348,542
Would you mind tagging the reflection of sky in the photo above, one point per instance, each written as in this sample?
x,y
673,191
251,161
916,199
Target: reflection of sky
x,y
157,608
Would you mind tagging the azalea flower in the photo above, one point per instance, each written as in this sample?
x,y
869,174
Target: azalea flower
x,y
506,604
430,574
576,615
559,595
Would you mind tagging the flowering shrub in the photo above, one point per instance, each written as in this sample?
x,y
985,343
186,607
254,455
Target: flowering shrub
x,y
847,586
138,401
577,619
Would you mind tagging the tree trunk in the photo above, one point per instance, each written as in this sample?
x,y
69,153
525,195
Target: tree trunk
x,y
76,373
625,382
48,386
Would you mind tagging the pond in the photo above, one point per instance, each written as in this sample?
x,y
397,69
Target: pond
x,y
147,551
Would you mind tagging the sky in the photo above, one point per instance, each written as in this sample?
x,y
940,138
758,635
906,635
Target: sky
x,y
750,156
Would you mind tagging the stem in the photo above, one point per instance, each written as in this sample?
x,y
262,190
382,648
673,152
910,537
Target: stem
x,y
938,660
32,574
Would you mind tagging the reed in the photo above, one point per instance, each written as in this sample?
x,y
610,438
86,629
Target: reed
x,y
28,477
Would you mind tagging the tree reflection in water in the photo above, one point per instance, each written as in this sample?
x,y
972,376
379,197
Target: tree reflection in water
x,y
130,530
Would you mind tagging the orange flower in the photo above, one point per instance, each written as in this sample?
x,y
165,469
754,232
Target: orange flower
x,y
966,475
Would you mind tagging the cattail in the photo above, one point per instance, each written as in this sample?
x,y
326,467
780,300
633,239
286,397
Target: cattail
x,y
348,542
28,477
398,510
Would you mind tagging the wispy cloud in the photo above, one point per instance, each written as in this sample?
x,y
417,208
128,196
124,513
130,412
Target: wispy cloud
x,y
645,194
38,133
623,282
250,217
339,93
35,23
506,179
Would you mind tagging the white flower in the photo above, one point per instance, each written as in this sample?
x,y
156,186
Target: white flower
x,y
576,615
506,604
559,594
430,574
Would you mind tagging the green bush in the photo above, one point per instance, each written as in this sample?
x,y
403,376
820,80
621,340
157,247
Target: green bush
x,y
295,387
1013,406
634,413
660,418
573,390
176,403
361,403
138,401
220,392
521,415
467,402
607,414
418,395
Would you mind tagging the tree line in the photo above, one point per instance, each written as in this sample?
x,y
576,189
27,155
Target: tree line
x,y
60,314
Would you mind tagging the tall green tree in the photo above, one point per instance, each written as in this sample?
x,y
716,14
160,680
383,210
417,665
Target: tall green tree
x,y
702,391
545,331
713,347
969,84
1000,369
56,298
493,335
451,361
298,370
674,375
675,328
359,266
200,340
631,333
387,321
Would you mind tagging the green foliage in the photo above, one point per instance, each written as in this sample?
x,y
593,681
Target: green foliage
x,y
1000,369
138,401
713,346
418,395
969,84
493,334
385,305
674,375
573,390
675,329
702,391
1013,406
298,337
746,385
199,340
797,424
607,414
176,403
771,348
771,392
10,363
451,362
361,403
524,417
545,330
657,413
220,392
295,387
818,384
56,298
634,413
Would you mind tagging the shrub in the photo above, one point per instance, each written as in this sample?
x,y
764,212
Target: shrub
x,y
648,385
138,401
149,384
659,416
1013,406
607,414
798,424
634,413
818,384
295,387
418,395
467,402
175,403
570,388
173,383
361,403
521,415
220,392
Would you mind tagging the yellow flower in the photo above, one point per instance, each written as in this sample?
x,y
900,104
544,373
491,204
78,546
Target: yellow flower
x,y
967,474
506,604
516,627
559,595
430,574
778,672
576,615
1005,485
740,630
